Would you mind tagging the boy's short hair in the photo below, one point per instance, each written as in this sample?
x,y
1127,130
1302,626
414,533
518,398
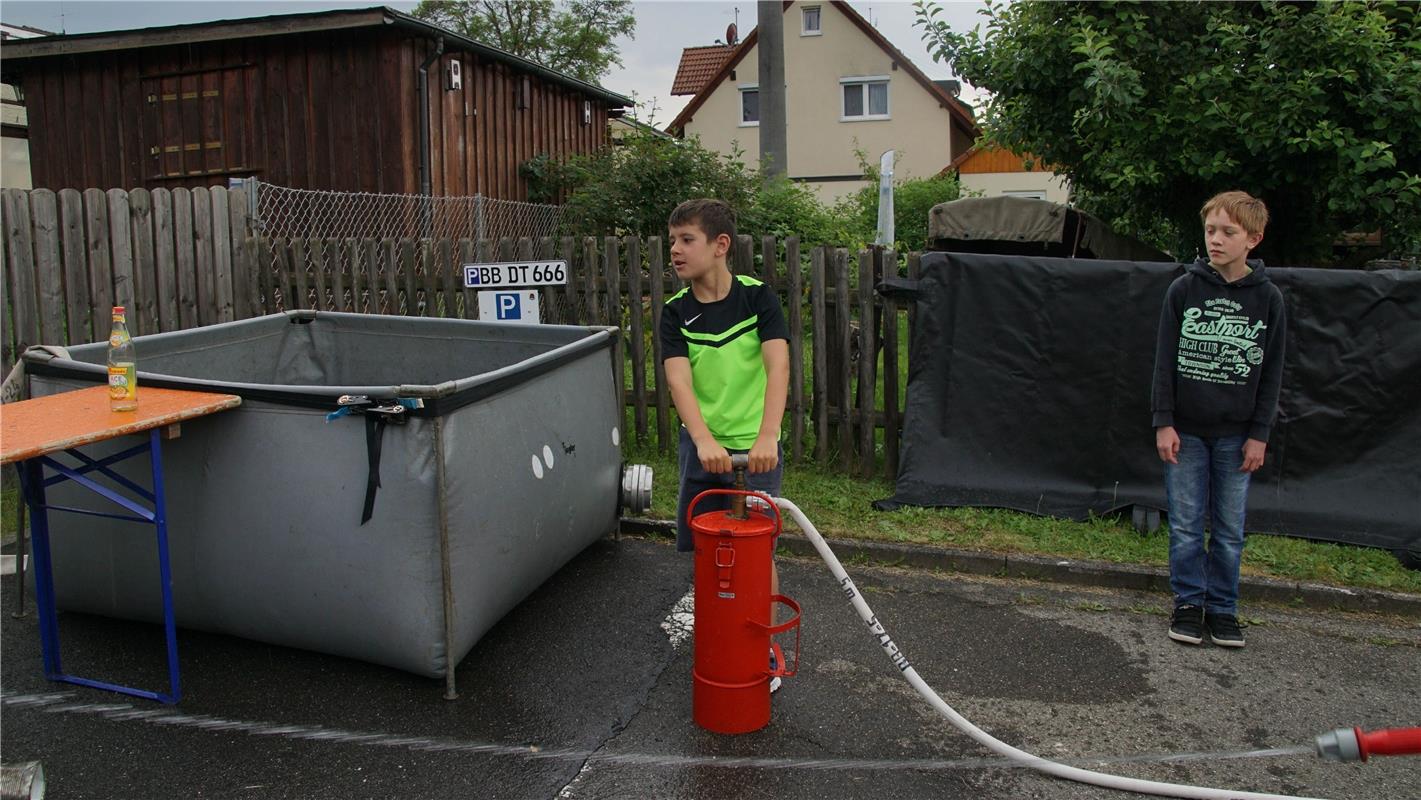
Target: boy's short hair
x,y
712,216
1242,207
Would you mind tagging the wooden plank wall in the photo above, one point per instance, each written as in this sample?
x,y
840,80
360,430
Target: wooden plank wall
x,y
183,258
280,108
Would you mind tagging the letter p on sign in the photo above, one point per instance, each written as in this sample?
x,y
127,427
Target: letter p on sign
x,y
509,305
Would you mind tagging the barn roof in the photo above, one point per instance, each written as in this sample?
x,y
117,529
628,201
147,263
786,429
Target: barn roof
x,y
18,51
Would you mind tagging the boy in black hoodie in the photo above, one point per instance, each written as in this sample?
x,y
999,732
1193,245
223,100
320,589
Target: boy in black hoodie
x,y
1218,369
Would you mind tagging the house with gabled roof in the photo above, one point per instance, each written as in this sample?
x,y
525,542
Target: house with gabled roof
x,y
847,88
14,121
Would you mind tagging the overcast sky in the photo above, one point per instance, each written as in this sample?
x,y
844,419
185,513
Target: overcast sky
x,y
664,27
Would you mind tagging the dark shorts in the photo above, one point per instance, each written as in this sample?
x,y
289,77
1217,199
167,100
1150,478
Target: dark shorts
x,y
694,480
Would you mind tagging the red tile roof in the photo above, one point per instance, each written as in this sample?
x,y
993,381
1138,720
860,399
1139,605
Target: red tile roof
x,y
698,65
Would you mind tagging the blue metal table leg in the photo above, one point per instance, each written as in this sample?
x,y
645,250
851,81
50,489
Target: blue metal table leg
x,y
160,521
32,484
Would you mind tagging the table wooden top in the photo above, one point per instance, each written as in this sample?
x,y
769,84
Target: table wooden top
x,y
56,422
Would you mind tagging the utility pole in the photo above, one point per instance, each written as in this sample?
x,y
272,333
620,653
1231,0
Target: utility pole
x,y
774,148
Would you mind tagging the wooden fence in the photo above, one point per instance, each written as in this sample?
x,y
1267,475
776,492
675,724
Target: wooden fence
x,y
185,258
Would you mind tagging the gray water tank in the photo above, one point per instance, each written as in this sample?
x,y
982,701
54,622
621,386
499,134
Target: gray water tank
x,y
509,464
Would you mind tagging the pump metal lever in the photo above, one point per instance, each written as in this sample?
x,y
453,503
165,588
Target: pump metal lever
x,y
740,462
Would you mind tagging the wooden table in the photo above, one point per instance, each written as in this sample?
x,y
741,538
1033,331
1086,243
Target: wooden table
x,y
33,431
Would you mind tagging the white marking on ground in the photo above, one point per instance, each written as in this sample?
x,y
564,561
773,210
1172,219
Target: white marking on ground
x,y
54,703
548,456
569,790
681,622
616,437
537,467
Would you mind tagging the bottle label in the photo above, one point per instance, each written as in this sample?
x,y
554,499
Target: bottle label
x,y
122,385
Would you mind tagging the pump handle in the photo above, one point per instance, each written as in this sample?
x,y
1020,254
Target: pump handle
x,y
740,461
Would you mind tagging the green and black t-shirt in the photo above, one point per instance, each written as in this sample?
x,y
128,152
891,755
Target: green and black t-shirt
x,y
722,340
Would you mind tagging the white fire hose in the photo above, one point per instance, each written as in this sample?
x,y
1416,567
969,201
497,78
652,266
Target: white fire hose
x,y
982,737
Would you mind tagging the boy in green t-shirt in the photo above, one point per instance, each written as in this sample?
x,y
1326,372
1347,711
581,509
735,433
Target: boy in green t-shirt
x,y
726,349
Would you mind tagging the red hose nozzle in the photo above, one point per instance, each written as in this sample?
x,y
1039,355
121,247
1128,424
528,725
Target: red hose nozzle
x,y
1354,744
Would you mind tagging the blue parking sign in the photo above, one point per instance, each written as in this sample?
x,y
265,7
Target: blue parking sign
x,y
507,306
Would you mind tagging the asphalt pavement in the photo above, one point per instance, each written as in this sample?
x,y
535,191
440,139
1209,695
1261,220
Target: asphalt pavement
x,y
584,691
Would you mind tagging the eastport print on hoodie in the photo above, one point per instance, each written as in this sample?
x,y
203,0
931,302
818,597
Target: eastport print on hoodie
x,y
1219,356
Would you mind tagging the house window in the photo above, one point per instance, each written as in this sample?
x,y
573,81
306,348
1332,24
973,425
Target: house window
x,y
749,106
865,98
810,18
1033,194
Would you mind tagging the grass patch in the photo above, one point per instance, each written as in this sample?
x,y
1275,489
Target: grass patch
x,y
9,502
839,506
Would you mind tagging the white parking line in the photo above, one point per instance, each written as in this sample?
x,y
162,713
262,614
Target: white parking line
x,y
681,622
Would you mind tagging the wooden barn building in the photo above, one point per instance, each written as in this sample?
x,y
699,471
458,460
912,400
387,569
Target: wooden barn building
x,y
369,100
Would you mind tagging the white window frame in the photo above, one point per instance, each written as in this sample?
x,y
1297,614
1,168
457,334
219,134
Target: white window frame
x,y
804,21
1030,194
749,87
864,81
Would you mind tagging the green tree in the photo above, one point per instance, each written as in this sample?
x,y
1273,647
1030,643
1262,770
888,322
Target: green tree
x,y
631,187
577,38
1151,108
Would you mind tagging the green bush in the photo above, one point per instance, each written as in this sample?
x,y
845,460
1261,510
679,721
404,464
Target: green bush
x,y
913,199
631,188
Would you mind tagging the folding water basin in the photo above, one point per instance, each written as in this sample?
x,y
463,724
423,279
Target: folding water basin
x,y
508,464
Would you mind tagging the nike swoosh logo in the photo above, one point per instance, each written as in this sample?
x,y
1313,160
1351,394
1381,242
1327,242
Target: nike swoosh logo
x,y
693,319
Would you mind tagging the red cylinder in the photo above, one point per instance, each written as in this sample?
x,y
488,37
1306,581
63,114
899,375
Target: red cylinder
x,y
1389,742
730,690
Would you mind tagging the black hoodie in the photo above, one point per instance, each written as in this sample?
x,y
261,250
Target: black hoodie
x,y
1219,358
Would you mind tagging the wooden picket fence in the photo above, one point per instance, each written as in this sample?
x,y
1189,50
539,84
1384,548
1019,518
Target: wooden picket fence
x,y
185,258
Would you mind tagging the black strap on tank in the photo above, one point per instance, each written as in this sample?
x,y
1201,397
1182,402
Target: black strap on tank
x,y
376,418
374,433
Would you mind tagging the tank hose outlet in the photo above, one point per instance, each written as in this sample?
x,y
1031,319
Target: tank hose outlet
x,y
1355,744
636,488
22,781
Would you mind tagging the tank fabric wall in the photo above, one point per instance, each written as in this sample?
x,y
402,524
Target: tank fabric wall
x,y
265,538
530,482
1029,388
265,500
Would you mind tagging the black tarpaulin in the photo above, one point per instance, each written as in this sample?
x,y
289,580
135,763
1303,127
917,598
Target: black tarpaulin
x,y
1029,389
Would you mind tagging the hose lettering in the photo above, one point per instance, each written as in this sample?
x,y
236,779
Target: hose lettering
x,y
848,587
886,642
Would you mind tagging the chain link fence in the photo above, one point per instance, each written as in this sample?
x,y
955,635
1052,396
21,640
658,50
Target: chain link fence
x,y
334,229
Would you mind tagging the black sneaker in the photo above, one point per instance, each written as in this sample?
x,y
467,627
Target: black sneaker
x,y
1224,630
1187,625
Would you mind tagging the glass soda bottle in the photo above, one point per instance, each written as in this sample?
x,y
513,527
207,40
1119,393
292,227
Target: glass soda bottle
x,y
123,366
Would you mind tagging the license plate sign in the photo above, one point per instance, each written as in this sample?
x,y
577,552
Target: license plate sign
x,y
515,273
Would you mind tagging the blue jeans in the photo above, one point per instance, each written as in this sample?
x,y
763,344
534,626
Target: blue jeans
x,y
694,480
1206,484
